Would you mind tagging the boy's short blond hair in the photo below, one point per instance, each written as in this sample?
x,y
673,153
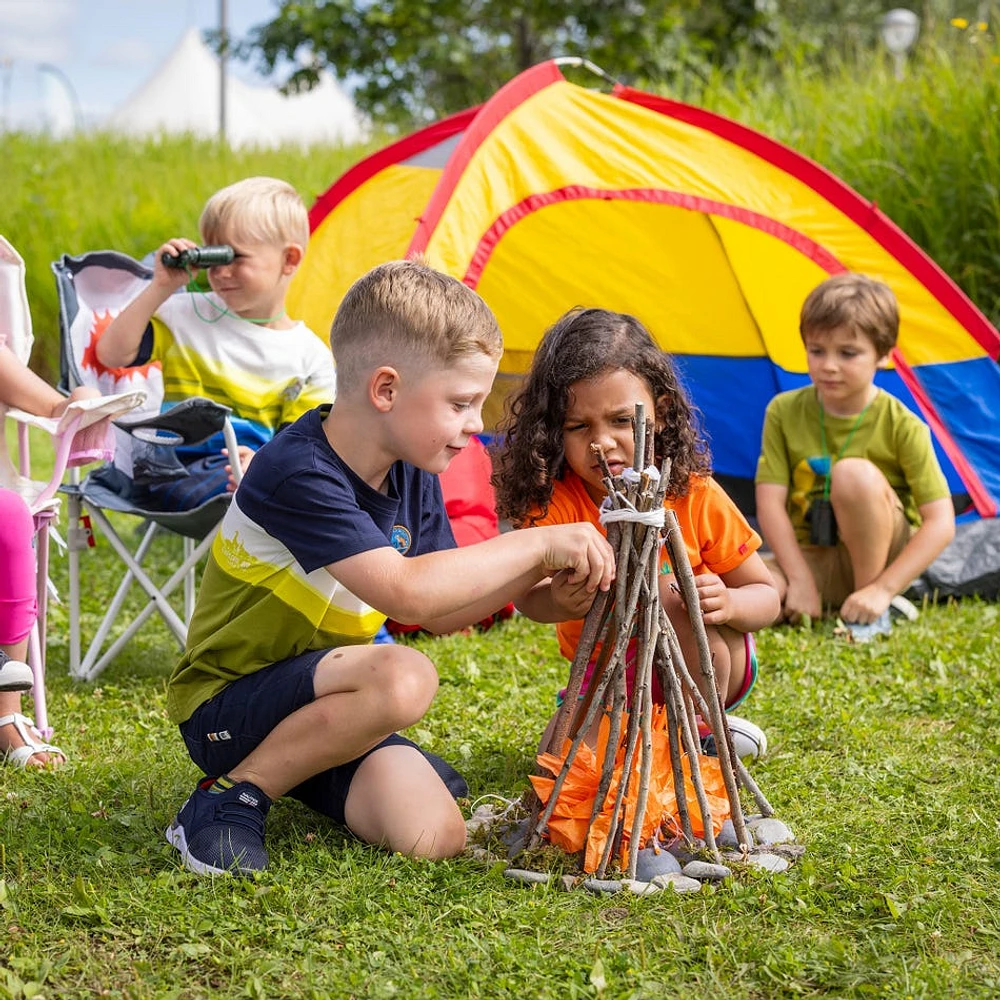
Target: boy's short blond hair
x,y
864,305
258,210
406,312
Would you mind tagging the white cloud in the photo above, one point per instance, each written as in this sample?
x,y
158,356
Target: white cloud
x,y
36,30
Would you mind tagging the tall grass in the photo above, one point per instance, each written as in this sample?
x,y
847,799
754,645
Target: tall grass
x,y
926,149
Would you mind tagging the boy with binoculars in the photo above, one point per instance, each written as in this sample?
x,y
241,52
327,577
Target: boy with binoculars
x,y
236,344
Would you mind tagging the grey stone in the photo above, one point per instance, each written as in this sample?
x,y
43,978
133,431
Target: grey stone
x,y
679,883
727,836
528,878
791,851
516,837
641,888
603,886
482,817
769,862
770,831
706,872
684,851
649,864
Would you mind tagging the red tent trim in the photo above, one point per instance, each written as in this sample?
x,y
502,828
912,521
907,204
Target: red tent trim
x,y
508,97
399,151
981,498
493,235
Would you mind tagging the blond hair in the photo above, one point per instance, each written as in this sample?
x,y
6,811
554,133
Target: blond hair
x,y
258,210
865,306
404,311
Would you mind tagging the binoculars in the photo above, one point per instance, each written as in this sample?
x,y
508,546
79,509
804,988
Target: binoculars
x,y
822,523
200,257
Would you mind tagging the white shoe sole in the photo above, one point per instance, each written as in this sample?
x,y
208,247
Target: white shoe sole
x,y
16,676
176,838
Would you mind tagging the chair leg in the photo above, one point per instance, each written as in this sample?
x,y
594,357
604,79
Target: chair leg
x,y
86,670
36,640
189,583
73,511
38,688
181,573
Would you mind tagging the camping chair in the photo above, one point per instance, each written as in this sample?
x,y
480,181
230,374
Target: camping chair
x,y
93,288
72,442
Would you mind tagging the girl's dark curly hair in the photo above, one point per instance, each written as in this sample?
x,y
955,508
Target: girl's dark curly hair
x,y
582,344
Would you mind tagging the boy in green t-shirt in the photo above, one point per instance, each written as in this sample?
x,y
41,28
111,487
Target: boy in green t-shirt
x,y
850,496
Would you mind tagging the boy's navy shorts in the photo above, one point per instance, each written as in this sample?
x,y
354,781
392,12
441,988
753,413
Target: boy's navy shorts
x,y
225,729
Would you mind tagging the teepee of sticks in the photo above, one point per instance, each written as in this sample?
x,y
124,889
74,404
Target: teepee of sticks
x,y
637,524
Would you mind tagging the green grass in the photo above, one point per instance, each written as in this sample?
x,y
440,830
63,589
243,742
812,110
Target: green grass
x,y
883,759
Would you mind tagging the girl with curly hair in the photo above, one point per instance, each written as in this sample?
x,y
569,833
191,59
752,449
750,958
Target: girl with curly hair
x,y
588,373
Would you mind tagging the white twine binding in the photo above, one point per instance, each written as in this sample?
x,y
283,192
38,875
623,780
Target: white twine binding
x,y
627,512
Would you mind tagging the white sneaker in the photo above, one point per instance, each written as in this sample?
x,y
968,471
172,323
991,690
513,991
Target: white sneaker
x,y
749,740
15,675
903,607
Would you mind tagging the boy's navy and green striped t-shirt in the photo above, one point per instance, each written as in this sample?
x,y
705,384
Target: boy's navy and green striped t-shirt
x,y
266,594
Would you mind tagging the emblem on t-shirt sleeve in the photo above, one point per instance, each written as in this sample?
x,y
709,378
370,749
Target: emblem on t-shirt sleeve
x,y
293,390
400,538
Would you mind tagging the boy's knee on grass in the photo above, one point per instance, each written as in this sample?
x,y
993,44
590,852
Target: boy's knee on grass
x,y
398,800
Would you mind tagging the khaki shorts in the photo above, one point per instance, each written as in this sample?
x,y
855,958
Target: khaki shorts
x,y
831,564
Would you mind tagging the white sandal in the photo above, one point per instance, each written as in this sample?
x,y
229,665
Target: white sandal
x,y
33,742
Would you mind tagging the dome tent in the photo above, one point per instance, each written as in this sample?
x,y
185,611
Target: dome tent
x,y
552,195
182,96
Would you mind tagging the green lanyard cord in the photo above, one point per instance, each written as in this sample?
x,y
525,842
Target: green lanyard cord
x,y
840,454
223,311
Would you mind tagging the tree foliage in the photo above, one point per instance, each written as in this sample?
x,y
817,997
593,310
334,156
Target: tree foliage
x,y
419,59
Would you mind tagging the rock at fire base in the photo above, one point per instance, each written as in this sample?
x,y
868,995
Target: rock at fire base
x,y
650,863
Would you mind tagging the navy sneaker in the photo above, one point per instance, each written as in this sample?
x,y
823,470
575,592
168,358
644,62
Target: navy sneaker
x,y
222,833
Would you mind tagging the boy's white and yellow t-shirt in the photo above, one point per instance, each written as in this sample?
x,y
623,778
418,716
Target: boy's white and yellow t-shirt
x,y
269,377
895,440
266,594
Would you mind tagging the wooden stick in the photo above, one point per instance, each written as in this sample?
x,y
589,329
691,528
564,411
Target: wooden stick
x,y
651,605
689,590
592,624
619,699
570,756
673,725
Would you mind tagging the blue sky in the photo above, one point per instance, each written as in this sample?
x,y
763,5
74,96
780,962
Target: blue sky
x,y
98,50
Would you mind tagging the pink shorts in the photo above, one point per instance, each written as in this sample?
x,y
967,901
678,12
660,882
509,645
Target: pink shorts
x,y
749,677
18,604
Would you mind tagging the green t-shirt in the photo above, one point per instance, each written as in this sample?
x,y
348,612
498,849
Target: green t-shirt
x,y
890,436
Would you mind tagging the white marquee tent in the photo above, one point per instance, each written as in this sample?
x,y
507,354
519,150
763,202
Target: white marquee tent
x,y
183,96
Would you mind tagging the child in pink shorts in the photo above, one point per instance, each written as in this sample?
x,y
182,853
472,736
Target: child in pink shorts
x,y
20,743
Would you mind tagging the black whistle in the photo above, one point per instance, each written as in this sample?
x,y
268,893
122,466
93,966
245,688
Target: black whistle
x,y
200,257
